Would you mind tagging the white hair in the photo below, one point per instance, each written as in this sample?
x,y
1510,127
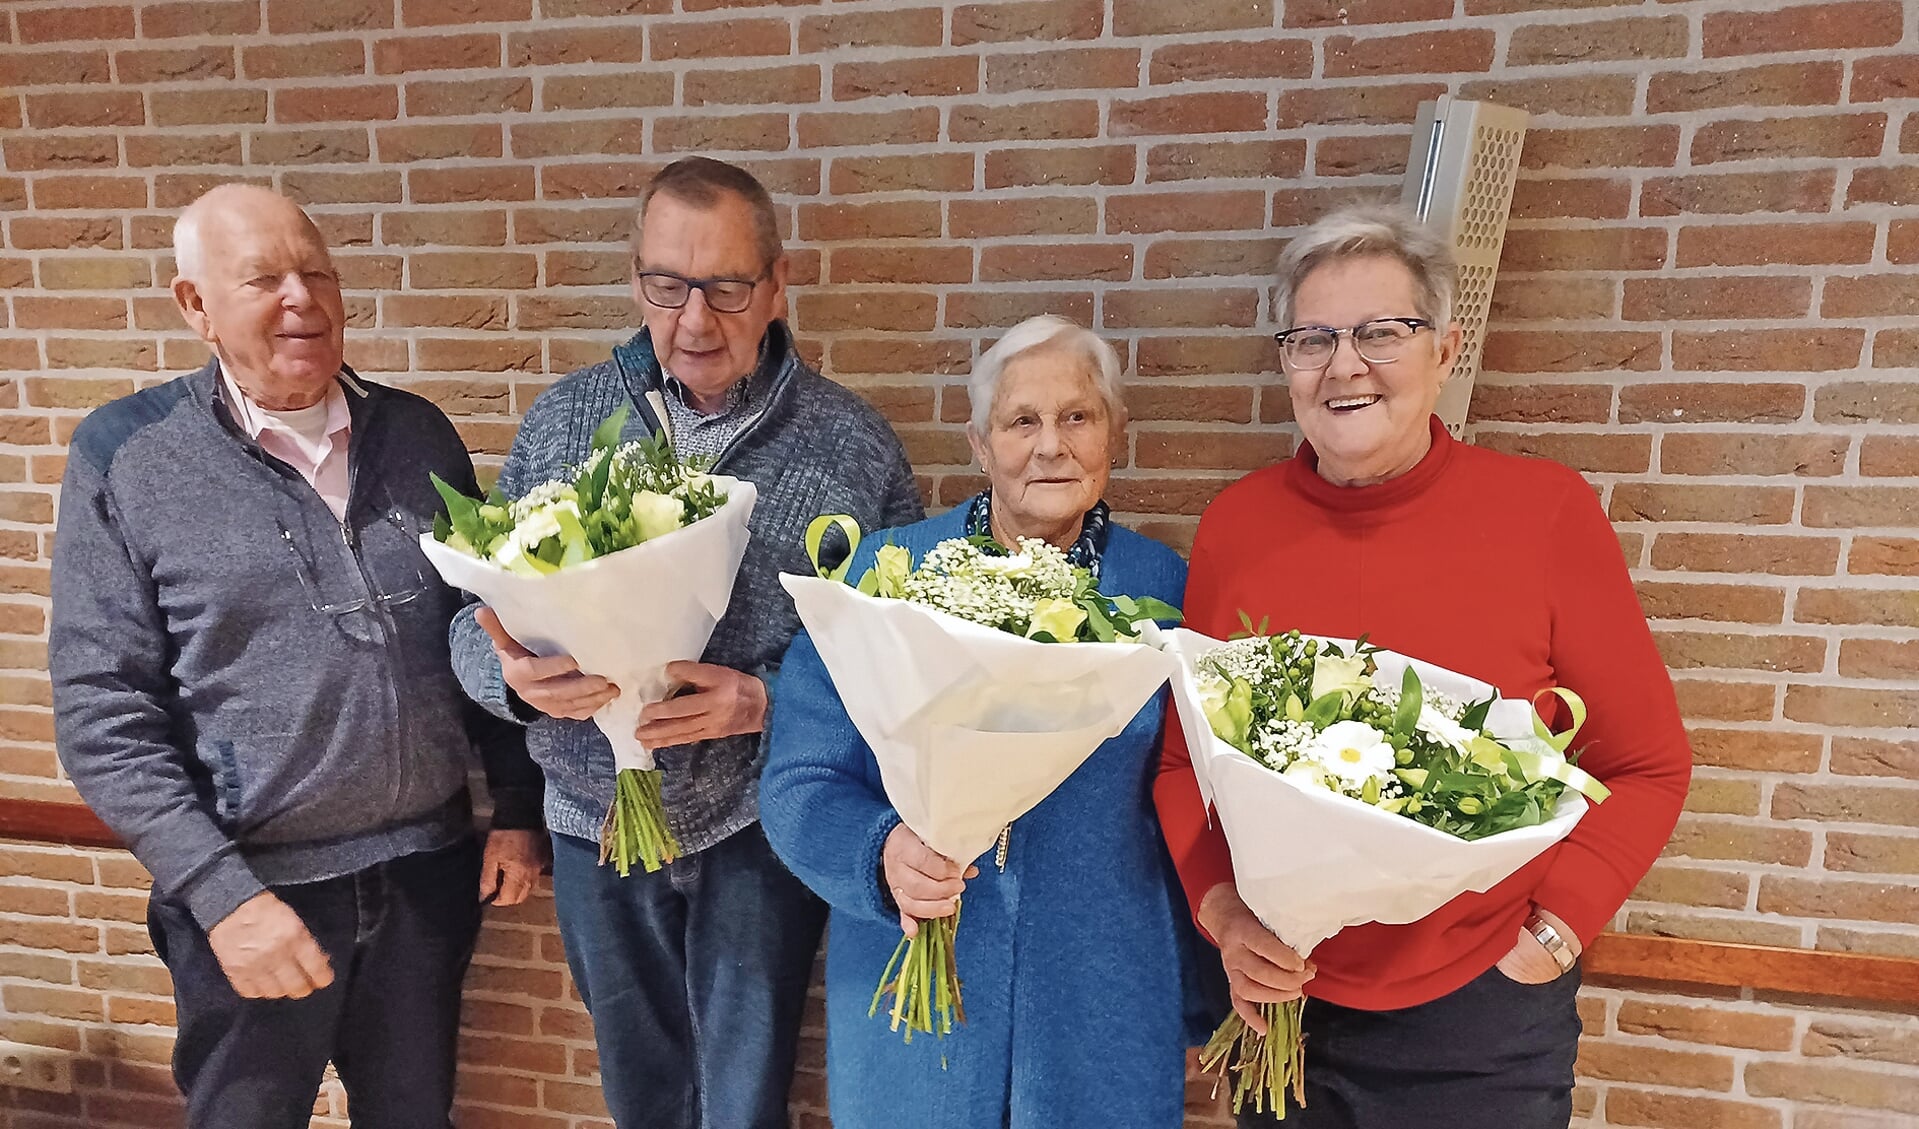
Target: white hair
x,y
221,204
189,252
1046,331
1374,229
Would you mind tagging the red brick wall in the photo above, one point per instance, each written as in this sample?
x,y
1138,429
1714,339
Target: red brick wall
x,y
1709,304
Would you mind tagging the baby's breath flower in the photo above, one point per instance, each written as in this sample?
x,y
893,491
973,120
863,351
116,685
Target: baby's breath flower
x,y
1249,659
959,578
539,499
1444,704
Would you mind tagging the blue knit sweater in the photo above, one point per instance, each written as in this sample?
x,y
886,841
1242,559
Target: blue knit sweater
x,y
1077,962
812,447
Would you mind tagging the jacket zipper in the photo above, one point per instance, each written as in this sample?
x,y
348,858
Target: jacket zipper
x,y
382,618
356,449
780,380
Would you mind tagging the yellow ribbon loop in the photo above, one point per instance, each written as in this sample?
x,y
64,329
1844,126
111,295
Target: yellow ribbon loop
x,y
1539,766
816,533
1575,705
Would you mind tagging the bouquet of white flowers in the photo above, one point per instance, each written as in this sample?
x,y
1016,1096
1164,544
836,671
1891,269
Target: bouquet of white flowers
x,y
1358,785
564,566
981,679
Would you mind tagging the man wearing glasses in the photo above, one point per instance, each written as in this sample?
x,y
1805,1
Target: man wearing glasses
x,y
252,688
695,975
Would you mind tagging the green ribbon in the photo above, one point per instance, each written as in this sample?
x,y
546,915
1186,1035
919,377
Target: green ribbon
x,y
816,533
1539,766
1575,705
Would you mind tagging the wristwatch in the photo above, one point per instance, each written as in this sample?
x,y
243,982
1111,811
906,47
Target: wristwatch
x,y
1546,935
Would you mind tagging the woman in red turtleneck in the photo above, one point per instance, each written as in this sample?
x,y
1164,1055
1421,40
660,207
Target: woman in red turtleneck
x,y
1499,567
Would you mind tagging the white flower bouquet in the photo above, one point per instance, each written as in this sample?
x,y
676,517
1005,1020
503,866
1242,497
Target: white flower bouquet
x,y
626,564
1358,785
981,679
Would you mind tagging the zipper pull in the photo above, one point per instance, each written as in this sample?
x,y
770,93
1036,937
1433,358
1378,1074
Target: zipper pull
x,y
999,856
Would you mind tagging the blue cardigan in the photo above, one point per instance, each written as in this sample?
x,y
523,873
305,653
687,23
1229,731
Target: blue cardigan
x,y
1078,962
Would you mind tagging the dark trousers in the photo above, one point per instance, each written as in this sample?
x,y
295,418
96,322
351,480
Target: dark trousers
x,y
399,936
1493,1053
696,979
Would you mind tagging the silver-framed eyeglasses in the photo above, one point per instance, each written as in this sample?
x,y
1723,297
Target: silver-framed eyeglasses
x,y
416,586
723,295
1381,341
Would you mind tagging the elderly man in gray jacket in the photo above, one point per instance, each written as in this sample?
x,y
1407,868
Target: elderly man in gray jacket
x,y
695,975
252,687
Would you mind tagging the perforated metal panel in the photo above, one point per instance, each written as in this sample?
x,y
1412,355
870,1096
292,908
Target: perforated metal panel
x,y
1460,177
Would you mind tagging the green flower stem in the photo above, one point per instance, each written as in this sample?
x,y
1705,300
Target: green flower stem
x,y
923,978
635,827
1264,1068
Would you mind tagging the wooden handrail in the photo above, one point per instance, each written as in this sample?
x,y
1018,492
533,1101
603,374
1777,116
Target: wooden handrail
x,y
46,821
1613,956
1769,968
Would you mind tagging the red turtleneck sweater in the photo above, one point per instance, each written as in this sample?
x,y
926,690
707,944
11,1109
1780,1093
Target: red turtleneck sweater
x,y
1499,567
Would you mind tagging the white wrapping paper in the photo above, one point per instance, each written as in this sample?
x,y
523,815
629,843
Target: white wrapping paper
x,y
972,727
1310,862
623,616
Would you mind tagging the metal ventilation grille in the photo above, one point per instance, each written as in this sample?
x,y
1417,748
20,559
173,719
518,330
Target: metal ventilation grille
x,y
1459,179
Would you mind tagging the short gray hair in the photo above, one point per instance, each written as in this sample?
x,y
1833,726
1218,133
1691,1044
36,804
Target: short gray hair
x,y
703,182
1363,230
1046,331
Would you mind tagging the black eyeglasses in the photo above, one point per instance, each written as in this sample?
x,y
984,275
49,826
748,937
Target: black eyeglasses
x,y
723,295
1309,348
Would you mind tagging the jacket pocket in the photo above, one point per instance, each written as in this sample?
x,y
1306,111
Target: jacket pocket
x,y
277,787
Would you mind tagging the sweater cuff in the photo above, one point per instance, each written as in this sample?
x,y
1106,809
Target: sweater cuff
x,y
1206,864
1570,899
877,901
226,884
517,809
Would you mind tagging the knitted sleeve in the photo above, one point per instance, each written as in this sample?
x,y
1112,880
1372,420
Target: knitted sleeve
x,y
1634,741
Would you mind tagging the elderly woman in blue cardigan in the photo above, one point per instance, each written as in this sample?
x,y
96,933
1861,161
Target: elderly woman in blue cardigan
x,y
1075,958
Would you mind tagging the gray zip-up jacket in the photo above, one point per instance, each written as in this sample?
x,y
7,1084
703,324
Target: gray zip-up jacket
x,y
810,447
248,690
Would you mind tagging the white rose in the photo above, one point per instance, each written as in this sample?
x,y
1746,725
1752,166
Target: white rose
x,y
1346,676
656,514
1307,772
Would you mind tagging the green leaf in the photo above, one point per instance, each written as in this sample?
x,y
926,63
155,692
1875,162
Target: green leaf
x,y
1098,621
1411,697
463,513
1474,718
606,437
1150,608
1324,710
592,487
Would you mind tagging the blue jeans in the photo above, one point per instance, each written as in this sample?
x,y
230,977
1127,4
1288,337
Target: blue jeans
x,y
1493,1053
399,935
696,979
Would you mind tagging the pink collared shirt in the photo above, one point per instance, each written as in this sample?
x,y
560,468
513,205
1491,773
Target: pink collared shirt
x,y
311,440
